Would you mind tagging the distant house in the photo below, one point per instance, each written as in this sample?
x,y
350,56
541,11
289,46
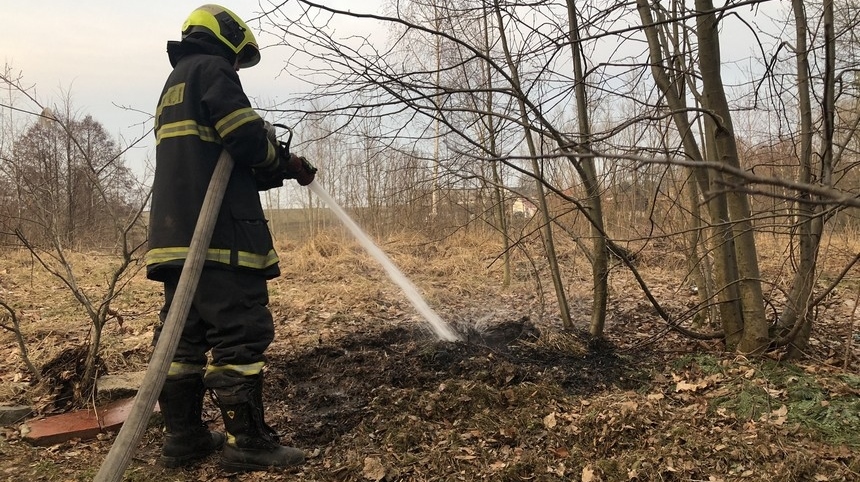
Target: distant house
x,y
522,201
523,207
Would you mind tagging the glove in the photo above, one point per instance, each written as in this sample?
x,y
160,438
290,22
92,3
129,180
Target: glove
x,y
298,168
290,166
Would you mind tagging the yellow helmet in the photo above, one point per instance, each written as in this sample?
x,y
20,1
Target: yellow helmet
x,y
223,25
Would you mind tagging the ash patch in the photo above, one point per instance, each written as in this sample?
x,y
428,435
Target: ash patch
x,y
320,395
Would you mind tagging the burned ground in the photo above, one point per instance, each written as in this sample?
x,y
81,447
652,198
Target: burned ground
x,y
331,389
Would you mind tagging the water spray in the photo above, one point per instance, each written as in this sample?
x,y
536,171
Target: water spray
x,y
442,330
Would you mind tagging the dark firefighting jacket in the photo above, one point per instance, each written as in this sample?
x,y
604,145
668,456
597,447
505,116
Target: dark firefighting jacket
x,y
202,110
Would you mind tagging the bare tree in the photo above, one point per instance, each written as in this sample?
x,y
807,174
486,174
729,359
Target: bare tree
x,y
588,172
494,111
537,170
72,180
15,328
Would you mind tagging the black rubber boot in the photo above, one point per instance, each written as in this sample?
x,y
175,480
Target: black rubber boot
x,y
258,402
251,443
186,437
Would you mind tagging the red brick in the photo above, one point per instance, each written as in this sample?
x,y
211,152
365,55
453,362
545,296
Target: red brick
x,y
81,424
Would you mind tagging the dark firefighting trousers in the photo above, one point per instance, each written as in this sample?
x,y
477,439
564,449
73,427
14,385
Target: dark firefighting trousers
x,y
228,316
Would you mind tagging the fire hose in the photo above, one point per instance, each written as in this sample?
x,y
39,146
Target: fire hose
x,y
132,430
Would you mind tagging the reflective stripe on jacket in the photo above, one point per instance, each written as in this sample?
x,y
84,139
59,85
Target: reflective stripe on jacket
x,y
202,110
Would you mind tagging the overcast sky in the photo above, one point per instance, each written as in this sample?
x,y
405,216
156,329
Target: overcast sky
x,y
111,53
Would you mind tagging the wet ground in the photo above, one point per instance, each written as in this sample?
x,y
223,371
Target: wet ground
x,y
330,389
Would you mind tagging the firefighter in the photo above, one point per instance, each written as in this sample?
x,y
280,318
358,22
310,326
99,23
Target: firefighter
x,y
202,110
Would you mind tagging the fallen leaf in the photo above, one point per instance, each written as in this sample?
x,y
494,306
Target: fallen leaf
x,y
629,407
684,386
549,421
775,393
587,474
465,457
373,469
778,416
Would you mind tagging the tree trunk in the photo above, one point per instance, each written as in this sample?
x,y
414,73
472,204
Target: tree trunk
x,y
88,378
810,222
724,269
600,262
549,245
502,220
726,277
498,192
755,336
697,262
